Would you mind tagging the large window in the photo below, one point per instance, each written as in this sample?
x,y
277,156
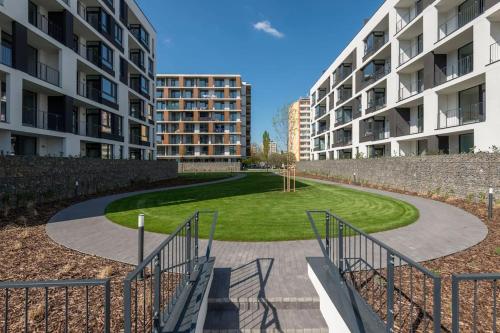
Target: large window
x,y
109,91
6,56
106,56
466,143
118,34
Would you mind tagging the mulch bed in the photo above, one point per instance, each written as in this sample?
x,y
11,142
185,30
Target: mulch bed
x,y
481,258
27,253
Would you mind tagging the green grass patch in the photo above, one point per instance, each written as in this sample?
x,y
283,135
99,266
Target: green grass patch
x,y
255,209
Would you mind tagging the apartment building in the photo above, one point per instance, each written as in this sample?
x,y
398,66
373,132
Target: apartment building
x,y
273,147
420,77
203,118
299,129
76,78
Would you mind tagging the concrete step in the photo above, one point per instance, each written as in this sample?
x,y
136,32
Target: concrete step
x,y
262,315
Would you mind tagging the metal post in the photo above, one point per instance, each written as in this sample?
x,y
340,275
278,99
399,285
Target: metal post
x,y
437,304
196,242
140,247
107,306
390,291
490,203
188,249
455,303
341,247
327,234
156,295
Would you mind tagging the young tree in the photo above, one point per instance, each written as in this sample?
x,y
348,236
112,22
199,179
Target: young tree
x,y
281,124
266,143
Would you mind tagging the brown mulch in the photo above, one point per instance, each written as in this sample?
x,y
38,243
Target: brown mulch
x,y
27,253
481,258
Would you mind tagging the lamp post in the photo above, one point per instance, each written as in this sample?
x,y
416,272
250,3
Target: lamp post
x,y
140,228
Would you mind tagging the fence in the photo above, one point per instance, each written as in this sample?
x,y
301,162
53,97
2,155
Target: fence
x,y
162,280
403,294
56,306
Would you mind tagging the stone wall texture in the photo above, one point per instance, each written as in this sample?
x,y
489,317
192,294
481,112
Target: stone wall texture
x,y
25,179
209,167
461,175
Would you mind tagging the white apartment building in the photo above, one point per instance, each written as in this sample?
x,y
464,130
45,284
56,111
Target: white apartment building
x,y
420,77
77,79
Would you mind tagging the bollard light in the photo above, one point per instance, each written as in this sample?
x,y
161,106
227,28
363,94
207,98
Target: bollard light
x,y
490,203
140,249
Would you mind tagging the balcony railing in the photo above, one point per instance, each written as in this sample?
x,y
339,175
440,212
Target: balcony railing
x,y
376,104
320,111
464,115
494,52
416,87
377,75
341,141
459,20
42,119
377,44
44,72
139,140
464,66
344,95
47,26
410,52
343,118
407,18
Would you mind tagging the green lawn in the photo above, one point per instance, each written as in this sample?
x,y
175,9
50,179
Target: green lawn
x,y
255,209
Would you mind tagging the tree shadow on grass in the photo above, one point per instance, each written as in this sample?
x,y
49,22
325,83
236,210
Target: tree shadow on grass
x,y
252,184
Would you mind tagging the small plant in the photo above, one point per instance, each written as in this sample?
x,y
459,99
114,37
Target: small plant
x,y
497,251
469,198
482,197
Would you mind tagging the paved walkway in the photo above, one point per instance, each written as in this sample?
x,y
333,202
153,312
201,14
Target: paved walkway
x,y
274,271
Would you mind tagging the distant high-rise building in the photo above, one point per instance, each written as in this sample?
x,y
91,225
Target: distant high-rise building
x,y
203,118
273,147
299,129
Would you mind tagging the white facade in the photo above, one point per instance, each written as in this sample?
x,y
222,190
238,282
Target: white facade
x,y
419,78
77,79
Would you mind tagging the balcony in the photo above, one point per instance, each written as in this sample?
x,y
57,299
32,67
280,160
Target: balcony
x,y
45,25
378,74
342,139
344,94
415,88
494,52
408,17
464,66
343,117
139,140
464,16
372,47
410,52
42,119
320,111
464,115
44,72
376,104
341,74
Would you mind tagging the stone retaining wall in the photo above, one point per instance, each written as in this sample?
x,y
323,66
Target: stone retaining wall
x,y
461,175
209,167
33,179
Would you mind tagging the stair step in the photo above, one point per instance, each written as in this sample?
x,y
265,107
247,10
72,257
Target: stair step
x,y
257,303
264,319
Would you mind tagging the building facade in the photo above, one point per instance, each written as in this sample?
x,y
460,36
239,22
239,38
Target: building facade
x,y
419,78
299,129
203,118
273,147
77,78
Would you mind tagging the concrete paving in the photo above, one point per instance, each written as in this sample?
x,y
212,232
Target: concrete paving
x,y
247,274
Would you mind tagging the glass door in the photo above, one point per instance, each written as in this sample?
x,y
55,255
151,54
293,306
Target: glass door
x,y
465,59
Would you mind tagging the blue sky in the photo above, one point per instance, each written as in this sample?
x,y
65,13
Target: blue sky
x,y
281,47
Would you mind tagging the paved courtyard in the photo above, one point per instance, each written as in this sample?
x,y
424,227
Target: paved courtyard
x,y
265,283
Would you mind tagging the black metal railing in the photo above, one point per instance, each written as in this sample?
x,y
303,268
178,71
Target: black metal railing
x,y
42,119
163,279
463,17
139,140
56,306
463,66
44,72
494,52
403,294
47,26
467,114
484,294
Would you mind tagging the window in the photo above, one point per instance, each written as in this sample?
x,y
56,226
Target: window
x,y
188,94
150,67
109,91
420,118
137,57
106,122
219,106
188,82
6,56
118,33
202,83
175,94
105,22
159,93
107,56
174,82
219,94
3,102
466,143
219,83
106,151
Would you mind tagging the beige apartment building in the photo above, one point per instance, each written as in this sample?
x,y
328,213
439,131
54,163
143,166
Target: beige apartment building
x,y
203,118
299,129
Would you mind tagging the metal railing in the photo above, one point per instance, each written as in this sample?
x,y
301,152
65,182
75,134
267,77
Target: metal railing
x,y
412,13
56,306
460,19
403,294
139,140
463,115
47,26
343,117
494,52
484,302
320,111
464,66
42,119
410,52
163,279
375,104
377,75
44,72
377,44
344,95
415,88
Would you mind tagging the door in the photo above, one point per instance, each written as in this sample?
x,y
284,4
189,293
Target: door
x,y
470,104
465,59
29,108
444,144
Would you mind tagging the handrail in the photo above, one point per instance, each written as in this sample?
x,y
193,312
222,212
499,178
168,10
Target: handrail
x,y
460,19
